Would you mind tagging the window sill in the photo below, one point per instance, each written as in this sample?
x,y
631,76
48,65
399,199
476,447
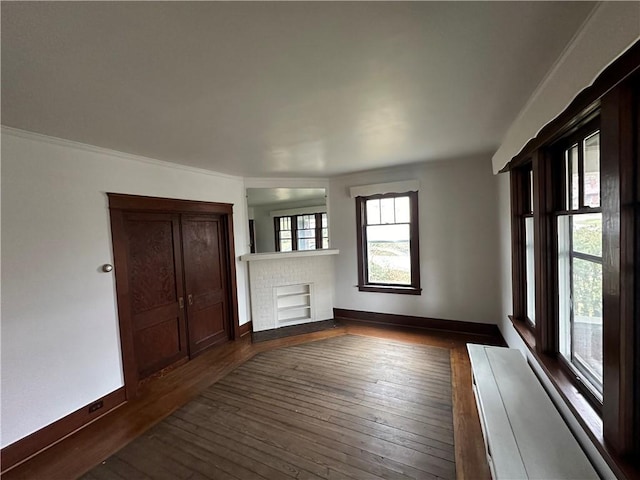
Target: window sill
x,y
390,289
580,407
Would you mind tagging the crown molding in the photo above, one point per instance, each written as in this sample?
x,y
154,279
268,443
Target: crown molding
x,y
39,137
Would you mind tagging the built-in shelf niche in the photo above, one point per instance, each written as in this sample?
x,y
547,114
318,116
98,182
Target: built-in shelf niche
x,y
294,304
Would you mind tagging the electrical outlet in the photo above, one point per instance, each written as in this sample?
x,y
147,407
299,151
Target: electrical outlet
x,y
96,406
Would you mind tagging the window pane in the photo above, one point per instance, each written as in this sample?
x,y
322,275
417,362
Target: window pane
x,y
564,285
388,254
531,191
387,210
567,182
580,297
325,243
306,233
587,319
587,234
575,181
592,170
324,220
403,210
373,212
285,245
531,284
306,243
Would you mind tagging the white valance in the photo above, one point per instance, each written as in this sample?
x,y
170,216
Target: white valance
x,y
382,188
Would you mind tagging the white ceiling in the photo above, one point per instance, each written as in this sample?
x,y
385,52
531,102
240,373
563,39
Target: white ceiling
x,y
279,88
270,196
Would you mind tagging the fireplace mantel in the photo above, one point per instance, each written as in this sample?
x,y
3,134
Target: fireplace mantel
x,y
252,257
290,288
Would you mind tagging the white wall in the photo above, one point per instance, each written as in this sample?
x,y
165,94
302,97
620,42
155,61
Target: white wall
x,y
459,248
610,30
60,340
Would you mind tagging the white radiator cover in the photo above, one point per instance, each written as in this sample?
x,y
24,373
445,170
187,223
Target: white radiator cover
x,y
525,435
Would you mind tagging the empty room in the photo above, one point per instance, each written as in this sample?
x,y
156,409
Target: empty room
x,y
320,240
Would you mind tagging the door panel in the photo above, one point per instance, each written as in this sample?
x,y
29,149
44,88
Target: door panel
x,y
207,323
155,345
155,279
205,281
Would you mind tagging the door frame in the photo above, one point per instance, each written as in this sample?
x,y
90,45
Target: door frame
x,y
119,204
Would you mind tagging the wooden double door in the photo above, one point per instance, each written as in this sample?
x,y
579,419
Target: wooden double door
x,y
173,285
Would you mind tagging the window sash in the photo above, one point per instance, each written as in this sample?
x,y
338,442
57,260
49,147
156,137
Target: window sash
x,y
376,217
567,324
320,232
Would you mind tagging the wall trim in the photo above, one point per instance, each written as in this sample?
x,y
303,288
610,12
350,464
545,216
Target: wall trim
x,y
245,328
301,329
384,188
286,182
62,142
454,326
582,107
20,450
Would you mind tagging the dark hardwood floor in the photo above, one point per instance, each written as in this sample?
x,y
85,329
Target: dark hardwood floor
x,y
250,400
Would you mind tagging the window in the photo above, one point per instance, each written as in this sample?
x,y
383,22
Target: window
x,y
523,244
579,259
585,259
284,234
301,232
388,252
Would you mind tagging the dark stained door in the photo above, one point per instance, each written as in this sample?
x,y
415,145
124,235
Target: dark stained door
x,y
206,281
155,281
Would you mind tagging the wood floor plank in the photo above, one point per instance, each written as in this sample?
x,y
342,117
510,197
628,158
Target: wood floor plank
x,y
355,379
351,402
398,359
271,405
329,458
277,394
297,396
152,462
361,463
372,443
371,375
123,469
245,444
104,473
423,365
206,459
443,449
359,392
